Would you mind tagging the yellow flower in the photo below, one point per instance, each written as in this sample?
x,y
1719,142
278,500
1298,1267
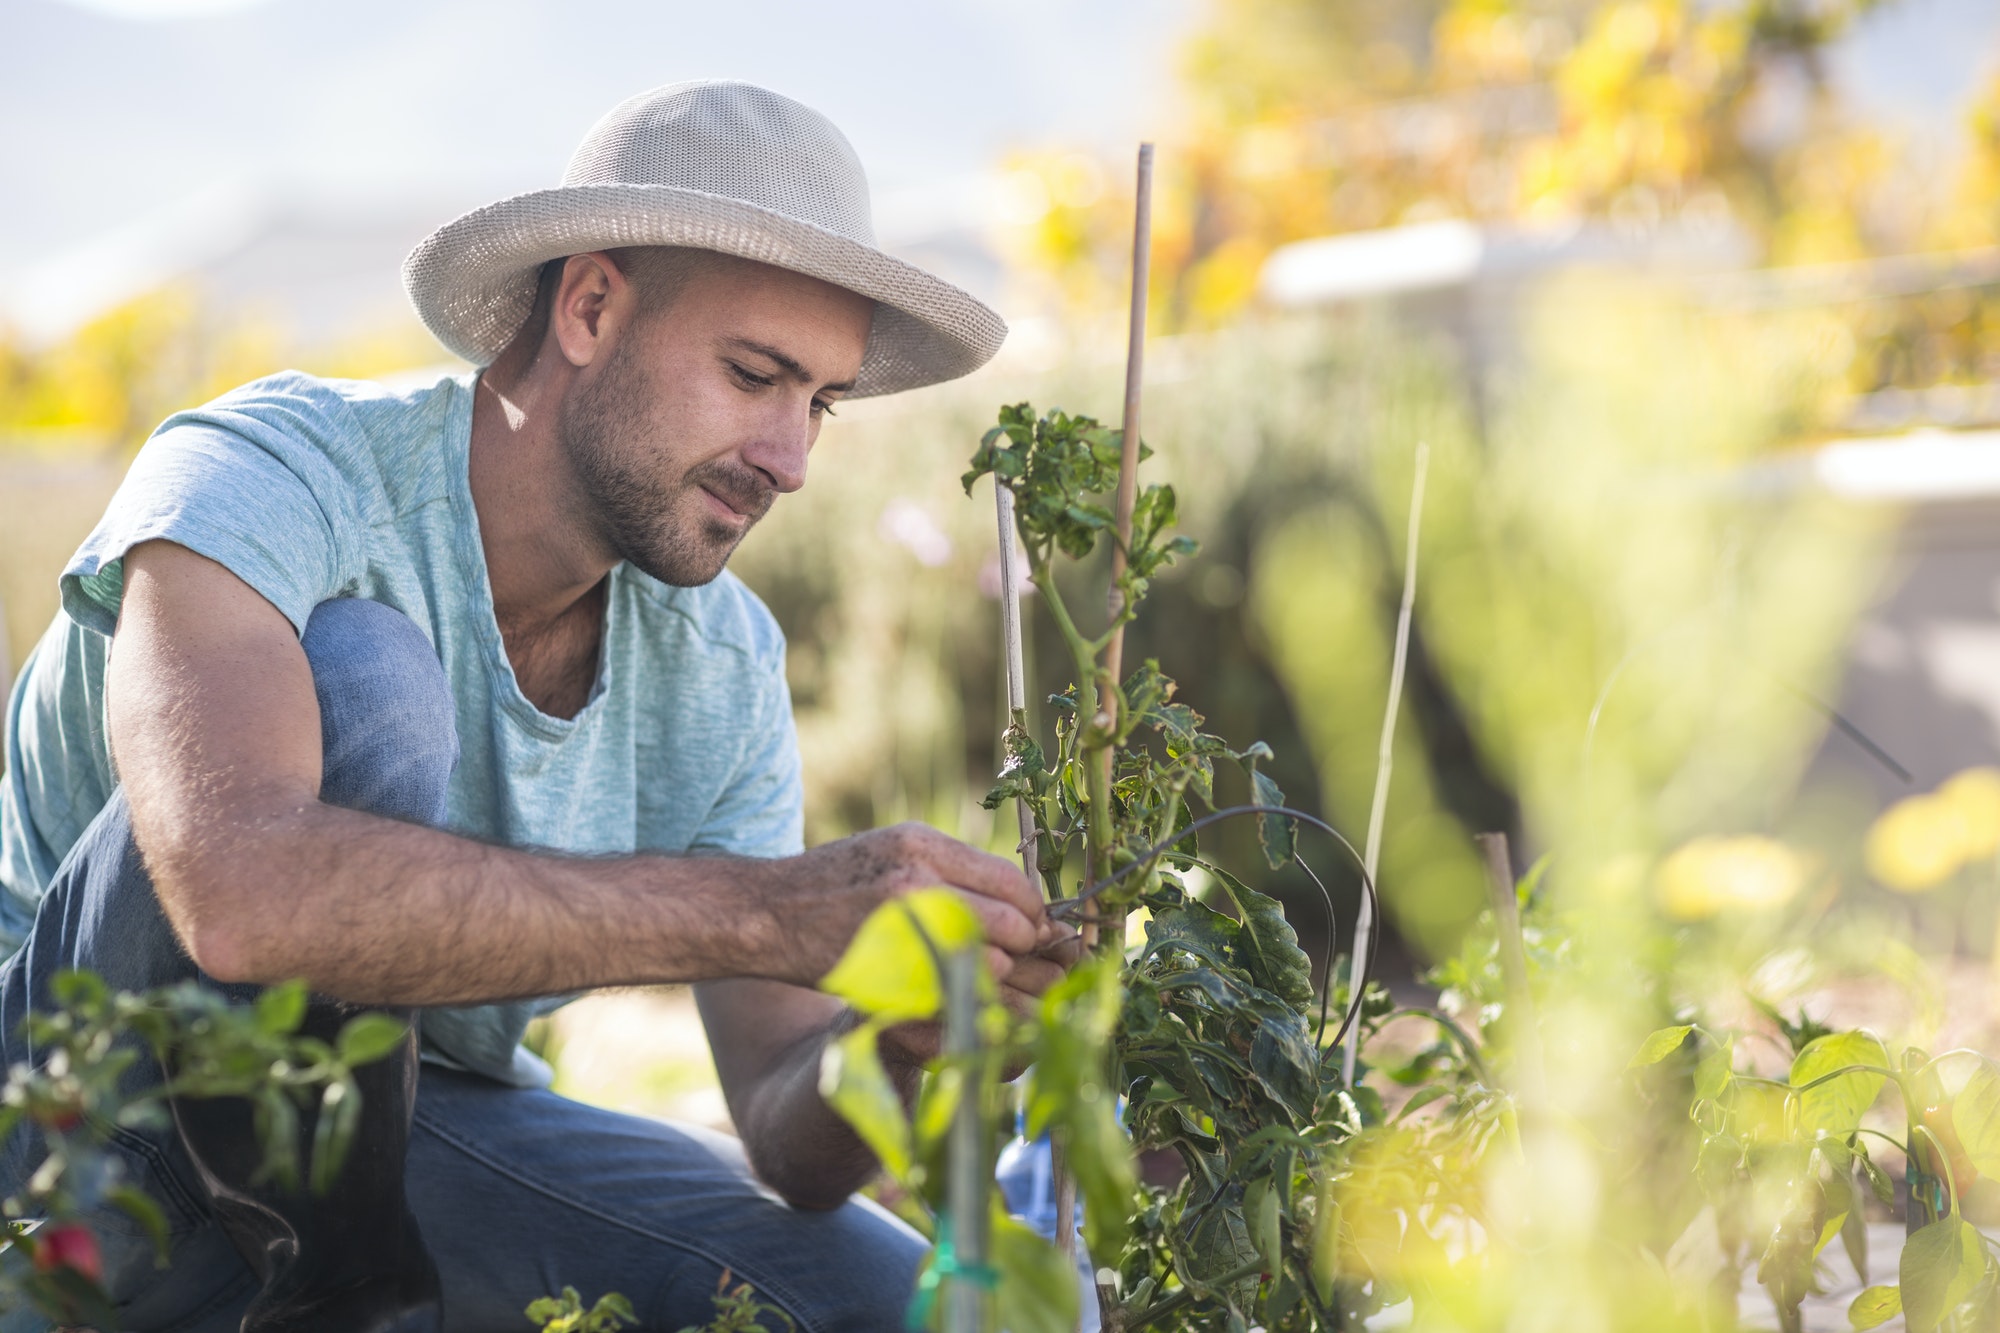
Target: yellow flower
x,y
1975,795
1711,875
1918,843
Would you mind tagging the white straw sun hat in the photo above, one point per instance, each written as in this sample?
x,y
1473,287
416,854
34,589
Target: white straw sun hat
x,y
715,165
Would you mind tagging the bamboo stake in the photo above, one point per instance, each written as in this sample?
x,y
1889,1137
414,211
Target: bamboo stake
x,y
1385,755
966,1187
1128,491
1017,706
1017,675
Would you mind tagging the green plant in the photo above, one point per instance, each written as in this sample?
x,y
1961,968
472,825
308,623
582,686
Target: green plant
x,y
80,1090
1205,1030
1792,1154
568,1314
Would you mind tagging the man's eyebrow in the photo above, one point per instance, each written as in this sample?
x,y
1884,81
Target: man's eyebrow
x,y
788,364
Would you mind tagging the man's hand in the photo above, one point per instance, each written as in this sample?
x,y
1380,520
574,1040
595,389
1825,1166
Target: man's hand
x,y
818,900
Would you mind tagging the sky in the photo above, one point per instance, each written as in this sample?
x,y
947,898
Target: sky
x,y
105,113
115,114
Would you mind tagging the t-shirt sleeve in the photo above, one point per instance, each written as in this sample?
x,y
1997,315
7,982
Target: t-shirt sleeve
x,y
240,490
762,810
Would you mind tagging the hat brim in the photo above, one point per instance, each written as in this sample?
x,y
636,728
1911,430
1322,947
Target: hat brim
x,y
472,280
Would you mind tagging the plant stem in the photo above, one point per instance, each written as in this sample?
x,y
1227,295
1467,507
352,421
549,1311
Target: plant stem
x,y
1385,757
1528,1071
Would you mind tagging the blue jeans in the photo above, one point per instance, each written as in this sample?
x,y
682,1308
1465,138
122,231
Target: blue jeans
x,y
518,1193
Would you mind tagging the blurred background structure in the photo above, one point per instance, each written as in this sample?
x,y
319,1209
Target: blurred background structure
x,y
1696,301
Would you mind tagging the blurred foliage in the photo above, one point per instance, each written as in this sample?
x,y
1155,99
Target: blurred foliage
x,y
105,386
1711,124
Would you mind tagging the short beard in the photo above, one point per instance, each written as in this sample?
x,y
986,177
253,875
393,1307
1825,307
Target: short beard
x,y
605,434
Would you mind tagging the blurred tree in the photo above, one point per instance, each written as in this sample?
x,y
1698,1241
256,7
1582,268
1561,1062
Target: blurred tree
x,y
1307,118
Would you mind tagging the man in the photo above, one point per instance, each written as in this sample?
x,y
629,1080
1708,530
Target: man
x,y
443,701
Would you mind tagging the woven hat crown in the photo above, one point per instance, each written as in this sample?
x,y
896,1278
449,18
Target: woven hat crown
x,y
736,141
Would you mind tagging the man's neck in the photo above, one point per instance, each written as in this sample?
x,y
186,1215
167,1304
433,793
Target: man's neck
x,y
545,567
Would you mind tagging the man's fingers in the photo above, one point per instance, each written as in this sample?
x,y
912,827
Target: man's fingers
x,y
983,873
1032,975
1005,927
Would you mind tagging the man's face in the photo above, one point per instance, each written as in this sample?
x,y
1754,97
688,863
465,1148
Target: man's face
x,y
704,411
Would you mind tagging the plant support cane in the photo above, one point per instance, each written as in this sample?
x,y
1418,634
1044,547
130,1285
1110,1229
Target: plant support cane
x,y
1364,925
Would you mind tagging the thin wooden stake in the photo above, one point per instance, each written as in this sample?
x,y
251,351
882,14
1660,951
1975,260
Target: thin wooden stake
x,y
1385,755
971,1170
1017,675
1017,706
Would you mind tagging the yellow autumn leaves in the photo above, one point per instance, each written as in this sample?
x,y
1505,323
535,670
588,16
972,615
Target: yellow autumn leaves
x,y
1918,844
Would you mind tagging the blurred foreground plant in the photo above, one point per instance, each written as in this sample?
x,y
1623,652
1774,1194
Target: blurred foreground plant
x,y
77,1095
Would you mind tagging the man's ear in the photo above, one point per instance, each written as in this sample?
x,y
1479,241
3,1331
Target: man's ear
x,y
594,302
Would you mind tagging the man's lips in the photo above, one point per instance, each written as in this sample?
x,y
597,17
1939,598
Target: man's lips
x,y
725,508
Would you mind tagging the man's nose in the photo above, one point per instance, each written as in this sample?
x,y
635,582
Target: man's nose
x,y
779,451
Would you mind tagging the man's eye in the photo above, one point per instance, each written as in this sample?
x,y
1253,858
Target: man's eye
x,y
822,409
750,377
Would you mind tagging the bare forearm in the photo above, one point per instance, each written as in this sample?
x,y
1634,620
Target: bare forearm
x,y
800,1146
377,911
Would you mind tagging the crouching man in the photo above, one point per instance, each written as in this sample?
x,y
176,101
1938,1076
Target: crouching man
x,y
442,700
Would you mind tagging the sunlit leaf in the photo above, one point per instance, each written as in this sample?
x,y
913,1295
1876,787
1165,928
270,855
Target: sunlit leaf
x,y
853,1082
1660,1045
1037,1289
1941,1264
889,970
1836,1105
1975,1117
1874,1307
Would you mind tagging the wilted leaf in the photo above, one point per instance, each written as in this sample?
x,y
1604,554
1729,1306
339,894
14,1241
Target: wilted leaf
x,y
1268,946
1275,833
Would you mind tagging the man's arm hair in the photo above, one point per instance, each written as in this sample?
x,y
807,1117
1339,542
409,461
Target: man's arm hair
x,y
215,732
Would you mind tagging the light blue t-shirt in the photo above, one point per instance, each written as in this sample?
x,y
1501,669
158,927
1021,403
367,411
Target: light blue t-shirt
x,y
309,489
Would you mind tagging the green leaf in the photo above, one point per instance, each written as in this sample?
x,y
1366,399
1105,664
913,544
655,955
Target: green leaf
x,y
138,1206
1037,1291
1262,1208
1975,1117
1274,832
889,970
1941,1265
1069,1093
282,1008
1874,1307
853,1082
1713,1072
1836,1106
369,1037
1660,1045
1268,945
333,1132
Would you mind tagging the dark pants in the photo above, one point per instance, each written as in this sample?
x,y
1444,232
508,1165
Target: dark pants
x,y
518,1193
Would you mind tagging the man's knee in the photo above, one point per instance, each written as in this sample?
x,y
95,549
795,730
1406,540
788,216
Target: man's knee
x,y
387,724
